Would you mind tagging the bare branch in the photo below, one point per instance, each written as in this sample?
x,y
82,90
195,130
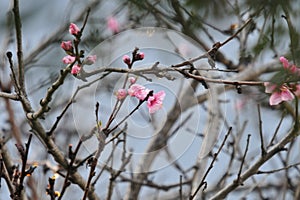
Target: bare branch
x,y
18,27
211,164
262,148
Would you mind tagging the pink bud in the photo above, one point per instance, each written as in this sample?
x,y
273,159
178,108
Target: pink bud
x,y
75,69
66,45
90,60
139,56
284,61
112,24
132,80
126,59
121,94
68,59
73,29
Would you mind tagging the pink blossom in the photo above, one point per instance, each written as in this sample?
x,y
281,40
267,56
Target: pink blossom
x,y
68,59
75,69
284,61
66,45
283,93
90,60
113,24
138,91
280,95
73,29
155,102
126,59
121,94
132,80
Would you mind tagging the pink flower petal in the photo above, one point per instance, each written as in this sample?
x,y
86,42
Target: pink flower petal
x,y
138,91
275,99
287,95
155,102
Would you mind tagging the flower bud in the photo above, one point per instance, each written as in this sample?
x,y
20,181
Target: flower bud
x,y
90,60
75,69
121,94
126,59
73,29
67,45
132,80
68,59
139,56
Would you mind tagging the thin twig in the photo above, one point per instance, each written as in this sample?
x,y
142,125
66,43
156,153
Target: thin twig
x,y
14,75
72,156
51,90
255,166
180,187
220,81
238,179
107,132
277,129
278,170
263,151
211,164
24,156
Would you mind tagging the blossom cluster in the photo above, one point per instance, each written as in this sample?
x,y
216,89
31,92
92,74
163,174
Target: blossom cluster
x,y
285,91
72,57
154,102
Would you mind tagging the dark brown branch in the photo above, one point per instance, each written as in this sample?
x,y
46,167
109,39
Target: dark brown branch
x,y
44,103
70,170
93,163
202,183
254,168
180,187
262,148
238,179
278,170
277,129
24,157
